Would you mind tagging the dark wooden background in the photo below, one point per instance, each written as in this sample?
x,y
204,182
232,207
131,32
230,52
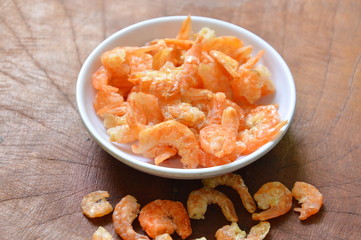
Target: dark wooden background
x,y
48,161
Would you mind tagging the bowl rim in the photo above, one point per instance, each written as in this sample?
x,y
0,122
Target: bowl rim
x,y
180,173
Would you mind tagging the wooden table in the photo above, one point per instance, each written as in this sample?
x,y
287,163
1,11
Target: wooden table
x,y
48,161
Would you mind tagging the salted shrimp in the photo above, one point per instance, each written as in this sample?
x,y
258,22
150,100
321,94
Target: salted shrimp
x,y
186,28
263,125
310,198
236,182
95,204
174,134
275,197
165,216
123,216
220,139
199,199
102,234
233,232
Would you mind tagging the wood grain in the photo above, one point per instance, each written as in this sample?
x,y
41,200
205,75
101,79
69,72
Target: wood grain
x,y
48,161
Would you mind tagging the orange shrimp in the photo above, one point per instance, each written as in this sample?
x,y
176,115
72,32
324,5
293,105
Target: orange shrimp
x,y
220,139
148,105
199,199
127,132
275,197
101,80
165,216
109,102
226,44
186,28
102,234
174,134
310,198
188,74
233,232
184,113
161,153
95,204
263,125
123,216
214,78
236,182
230,64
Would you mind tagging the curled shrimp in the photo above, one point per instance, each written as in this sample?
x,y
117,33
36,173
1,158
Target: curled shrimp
x,y
275,197
102,234
123,216
310,198
174,134
262,126
236,182
233,232
95,204
220,139
165,216
199,199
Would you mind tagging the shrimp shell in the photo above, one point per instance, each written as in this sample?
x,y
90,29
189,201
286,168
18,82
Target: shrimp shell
x,y
275,197
165,216
95,205
236,182
102,234
310,198
123,216
199,199
164,236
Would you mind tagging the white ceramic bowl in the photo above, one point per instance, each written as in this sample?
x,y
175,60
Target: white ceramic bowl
x,y
166,27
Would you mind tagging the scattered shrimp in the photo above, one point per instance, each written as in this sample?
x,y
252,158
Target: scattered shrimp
x,y
236,182
174,134
259,231
230,232
165,216
263,125
102,234
198,201
275,197
123,216
309,197
233,232
95,204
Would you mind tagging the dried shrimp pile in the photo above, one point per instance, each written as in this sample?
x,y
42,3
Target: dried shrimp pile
x,y
193,96
161,218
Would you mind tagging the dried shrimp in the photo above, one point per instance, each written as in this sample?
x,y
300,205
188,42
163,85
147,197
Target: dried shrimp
x,y
209,84
236,182
95,204
102,234
123,216
233,232
198,201
309,197
275,197
165,216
